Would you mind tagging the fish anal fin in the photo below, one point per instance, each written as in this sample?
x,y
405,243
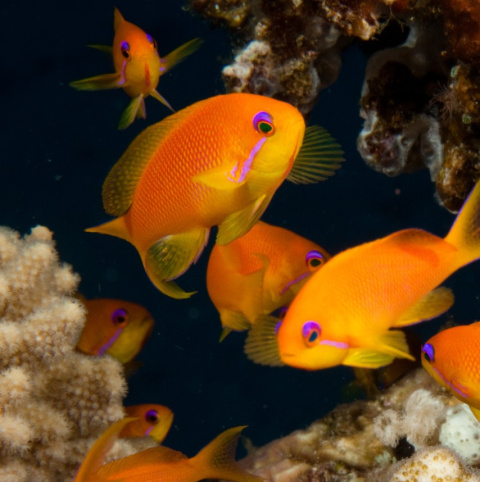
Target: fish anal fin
x,y
261,345
180,53
99,82
431,305
239,223
217,459
171,256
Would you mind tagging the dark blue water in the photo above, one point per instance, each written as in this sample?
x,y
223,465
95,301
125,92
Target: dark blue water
x,y
58,144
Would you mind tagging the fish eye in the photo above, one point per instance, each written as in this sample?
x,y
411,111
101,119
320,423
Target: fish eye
x,y
120,317
151,416
125,49
263,123
428,352
152,41
314,260
311,332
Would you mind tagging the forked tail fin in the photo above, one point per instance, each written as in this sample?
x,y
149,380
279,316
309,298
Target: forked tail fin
x,y
465,232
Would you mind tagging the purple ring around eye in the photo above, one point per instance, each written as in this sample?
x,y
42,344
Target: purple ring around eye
x,y
429,351
261,116
124,45
151,416
119,313
313,255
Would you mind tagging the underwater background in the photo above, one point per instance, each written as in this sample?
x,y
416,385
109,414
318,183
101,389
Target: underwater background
x,y
58,144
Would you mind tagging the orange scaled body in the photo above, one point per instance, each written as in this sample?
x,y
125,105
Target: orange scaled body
x,y
117,327
138,67
452,358
344,313
259,273
215,163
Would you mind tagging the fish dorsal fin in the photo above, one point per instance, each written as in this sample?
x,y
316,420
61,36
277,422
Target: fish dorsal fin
x,y
117,19
431,305
240,222
261,345
318,158
122,180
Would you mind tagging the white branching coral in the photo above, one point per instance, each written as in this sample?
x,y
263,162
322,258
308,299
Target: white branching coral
x,y
54,401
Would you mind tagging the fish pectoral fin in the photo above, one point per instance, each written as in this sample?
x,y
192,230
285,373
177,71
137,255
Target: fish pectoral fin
x,y
135,109
107,49
240,222
179,54
318,158
99,82
261,345
171,256
218,178
367,358
431,305
156,95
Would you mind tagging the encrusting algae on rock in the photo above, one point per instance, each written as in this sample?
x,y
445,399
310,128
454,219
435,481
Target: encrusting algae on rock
x,y
55,401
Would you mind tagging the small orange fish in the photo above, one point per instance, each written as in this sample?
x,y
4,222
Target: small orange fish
x,y
259,273
152,420
215,163
215,461
344,313
452,358
117,327
138,67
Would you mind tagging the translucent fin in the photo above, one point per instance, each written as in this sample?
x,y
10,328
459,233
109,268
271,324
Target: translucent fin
x,y
261,345
99,82
234,320
465,232
431,305
367,358
171,256
217,459
107,49
136,108
180,53
318,158
240,222
155,94
476,412
225,332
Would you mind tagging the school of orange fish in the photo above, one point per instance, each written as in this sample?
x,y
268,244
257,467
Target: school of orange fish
x,y
218,163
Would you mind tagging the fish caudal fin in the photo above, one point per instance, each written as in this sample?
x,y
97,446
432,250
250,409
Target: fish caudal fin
x,y
171,256
465,232
388,346
136,109
180,53
217,459
99,82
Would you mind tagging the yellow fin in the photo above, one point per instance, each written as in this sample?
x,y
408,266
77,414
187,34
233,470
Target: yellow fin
x,y
476,412
180,53
431,305
135,109
465,232
107,49
115,227
367,358
99,82
218,178
261,345
217,459
171,256
234,320
240,222
318,158
156,95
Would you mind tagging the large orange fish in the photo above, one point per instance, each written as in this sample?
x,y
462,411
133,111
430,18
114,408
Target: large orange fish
x,y
151,420
452,358
117,327
138,67
344,313
259,273
215,163
215,461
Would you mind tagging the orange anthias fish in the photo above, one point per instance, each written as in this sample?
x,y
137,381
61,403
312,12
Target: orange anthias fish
x,y
259,273
151,419
215,461
215,163
117,327
344,313
138,67
452,358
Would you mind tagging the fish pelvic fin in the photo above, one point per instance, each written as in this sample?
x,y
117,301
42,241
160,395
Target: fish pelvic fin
x,y
476,412
171,256
116,227
261,345
433,304
179,54
465,232
318,158
134,110
156,95
99,82
217,459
